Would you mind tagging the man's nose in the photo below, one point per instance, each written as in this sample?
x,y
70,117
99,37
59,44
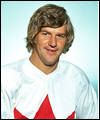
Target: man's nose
x,y
53,41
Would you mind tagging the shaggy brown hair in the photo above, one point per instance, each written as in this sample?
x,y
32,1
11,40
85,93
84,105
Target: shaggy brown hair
x,y
49,15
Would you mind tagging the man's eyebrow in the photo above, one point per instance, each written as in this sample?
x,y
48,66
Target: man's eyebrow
x,y
44,31
62,34
49,32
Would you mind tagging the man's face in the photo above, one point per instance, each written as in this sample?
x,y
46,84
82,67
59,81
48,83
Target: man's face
x,y
50,43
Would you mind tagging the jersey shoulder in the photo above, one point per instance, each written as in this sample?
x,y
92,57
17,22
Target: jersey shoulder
x,y
71,70
11,74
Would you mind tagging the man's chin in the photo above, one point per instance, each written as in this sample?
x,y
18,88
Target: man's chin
x,y
51,63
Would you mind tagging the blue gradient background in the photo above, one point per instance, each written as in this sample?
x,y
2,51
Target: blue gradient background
x,y
15,17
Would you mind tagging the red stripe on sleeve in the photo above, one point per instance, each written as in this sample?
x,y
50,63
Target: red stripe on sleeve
x,y
72,116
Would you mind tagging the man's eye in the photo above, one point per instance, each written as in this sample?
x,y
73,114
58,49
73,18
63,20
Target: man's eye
x,y
60,36
45,34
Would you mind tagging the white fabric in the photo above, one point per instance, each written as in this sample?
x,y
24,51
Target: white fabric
x,y
25,87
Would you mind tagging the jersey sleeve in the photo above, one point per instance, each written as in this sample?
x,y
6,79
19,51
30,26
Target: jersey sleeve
x,y
10,89
87,105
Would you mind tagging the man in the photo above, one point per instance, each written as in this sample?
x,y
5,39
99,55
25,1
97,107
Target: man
x,y
42,86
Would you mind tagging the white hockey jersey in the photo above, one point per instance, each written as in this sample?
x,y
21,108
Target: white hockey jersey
x,y
28,93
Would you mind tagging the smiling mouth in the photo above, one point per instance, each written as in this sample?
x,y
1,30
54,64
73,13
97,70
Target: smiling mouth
x,y
51,51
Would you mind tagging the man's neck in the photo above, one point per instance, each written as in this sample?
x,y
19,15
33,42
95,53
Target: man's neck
x,y
47,69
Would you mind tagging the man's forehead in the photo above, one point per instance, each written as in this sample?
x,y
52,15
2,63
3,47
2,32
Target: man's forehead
x,y
56,29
